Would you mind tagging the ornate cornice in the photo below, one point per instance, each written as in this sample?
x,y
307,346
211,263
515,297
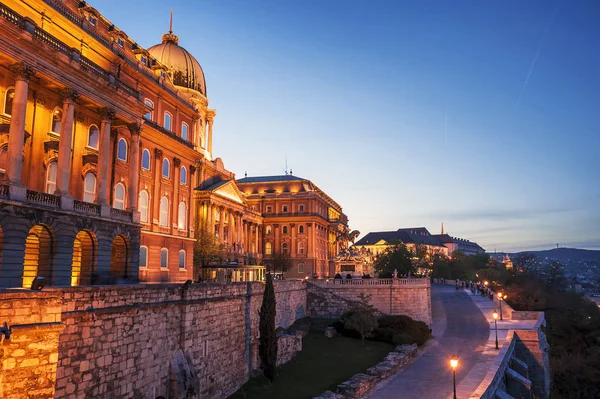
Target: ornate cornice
x,y
68,94
22,71
106,114
158,153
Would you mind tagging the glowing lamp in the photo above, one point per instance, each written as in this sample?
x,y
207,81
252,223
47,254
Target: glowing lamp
x,y
485,283
495,314
454,361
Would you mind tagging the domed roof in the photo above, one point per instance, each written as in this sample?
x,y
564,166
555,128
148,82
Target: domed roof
x,y
184,69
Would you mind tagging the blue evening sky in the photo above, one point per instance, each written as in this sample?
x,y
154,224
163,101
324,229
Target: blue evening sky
x,y
484,115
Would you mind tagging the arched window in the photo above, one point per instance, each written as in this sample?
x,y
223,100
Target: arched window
x,y
151,112
51,177
166,169
122,150
284,230
93,137
183,175
167,124
146,159
184,131
164,258
57,115
182,259
89,187
181,216
268,248
164,212
8,101
143,256
301,229
119,199
143,206
268,230
301,248
284,248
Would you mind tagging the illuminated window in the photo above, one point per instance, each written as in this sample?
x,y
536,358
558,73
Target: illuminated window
x,y
268,230
166,169
164,212
146,159
150,114
51,177
89,187
301,248
119,199
143,206
122,150
184,131
144,60
164,258
8,101
284,230
143,256
57,115
182,259
183,175
284,248
268,248
181,216
120,42
92,20
300,267
93,137
167,124
301,229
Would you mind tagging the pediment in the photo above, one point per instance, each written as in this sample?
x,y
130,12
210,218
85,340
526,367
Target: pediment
x,y
382,242
230,191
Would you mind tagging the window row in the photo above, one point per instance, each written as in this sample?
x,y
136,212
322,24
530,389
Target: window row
x,y
167,120
166,167
284,229
163,217
284,208
284,248
164,257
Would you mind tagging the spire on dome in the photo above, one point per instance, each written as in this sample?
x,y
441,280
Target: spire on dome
x,y
170,37
171,23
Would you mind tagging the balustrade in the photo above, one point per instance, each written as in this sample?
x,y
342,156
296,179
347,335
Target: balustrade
x,y
37,197
86,207
373,281
120,214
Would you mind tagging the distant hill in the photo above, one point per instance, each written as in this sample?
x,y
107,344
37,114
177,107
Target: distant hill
x,y
564,254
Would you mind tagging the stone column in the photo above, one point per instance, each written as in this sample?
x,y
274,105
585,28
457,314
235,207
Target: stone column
x,y
158,154
134,167
192,203
104,159
292,240
209,122
230,231
22,73
238,229
221,224
63,176
276,244
245,239
175,209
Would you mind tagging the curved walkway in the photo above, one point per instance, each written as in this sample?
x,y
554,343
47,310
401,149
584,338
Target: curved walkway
x,y
458,327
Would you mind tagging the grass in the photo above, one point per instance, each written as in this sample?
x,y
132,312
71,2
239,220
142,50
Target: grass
x,y
321,366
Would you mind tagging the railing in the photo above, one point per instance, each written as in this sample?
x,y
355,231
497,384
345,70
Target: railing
x,y
11,16
86,207
4,191
167,132
50,40
65,11
93,67
43,198
120,214
372,281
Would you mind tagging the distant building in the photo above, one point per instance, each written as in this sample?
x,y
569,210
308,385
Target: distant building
x,y
459,244
507,262
378,242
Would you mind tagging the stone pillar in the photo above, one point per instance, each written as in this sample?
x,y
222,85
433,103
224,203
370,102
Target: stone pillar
x,y
175,209
134,167
158,154
209,122
276,244
245,239
292,240
104,157
63,176
192,203
238,229
16,136
231,229
221,224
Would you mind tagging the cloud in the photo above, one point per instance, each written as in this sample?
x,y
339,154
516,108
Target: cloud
x,y
497,214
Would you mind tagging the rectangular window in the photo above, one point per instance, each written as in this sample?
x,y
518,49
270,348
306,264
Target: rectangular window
x,y
143,256
182,259
144,60
300,208
269,209
184,131
120,42
167,124
301,268
92,19
164,254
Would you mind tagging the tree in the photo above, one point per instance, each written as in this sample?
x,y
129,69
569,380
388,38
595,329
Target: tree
x,y
280,262
361,318
396,257
525,262
207,249
554,273
267,344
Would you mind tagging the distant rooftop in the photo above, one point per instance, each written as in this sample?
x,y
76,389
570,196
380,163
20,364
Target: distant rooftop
x,y
269,179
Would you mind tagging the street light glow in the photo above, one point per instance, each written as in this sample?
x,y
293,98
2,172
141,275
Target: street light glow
x,y
495,314
454,361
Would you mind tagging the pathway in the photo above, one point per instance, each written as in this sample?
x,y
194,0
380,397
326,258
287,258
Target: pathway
x,y
458,327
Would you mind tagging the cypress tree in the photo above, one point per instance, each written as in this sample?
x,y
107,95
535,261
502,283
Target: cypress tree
x,y
267,347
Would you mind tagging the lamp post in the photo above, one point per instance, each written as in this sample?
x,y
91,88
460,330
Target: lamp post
x,y
454,364
495,315
501,296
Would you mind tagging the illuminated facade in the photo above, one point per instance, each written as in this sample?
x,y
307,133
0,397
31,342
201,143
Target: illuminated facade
x,y
299,222
378,242
101,145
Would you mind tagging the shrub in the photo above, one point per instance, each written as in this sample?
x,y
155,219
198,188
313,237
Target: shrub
x,y
385,275
338,276
361,318
348,276
400,330
366,276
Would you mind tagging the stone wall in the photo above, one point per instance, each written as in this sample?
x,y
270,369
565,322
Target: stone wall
x,y
411,297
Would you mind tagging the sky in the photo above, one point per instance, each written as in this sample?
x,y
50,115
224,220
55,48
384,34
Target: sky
x,y
483,115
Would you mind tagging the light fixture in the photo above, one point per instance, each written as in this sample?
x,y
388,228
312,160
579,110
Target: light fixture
x,y
38,283
454,365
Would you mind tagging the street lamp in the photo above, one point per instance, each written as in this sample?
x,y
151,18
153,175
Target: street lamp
x,y
501,296
485,283
454,364
495,315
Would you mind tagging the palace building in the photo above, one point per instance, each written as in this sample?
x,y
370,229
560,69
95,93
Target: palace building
x,y
378,242
102,143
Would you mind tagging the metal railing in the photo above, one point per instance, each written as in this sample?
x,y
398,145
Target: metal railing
x,y
39,198
11,16
86,207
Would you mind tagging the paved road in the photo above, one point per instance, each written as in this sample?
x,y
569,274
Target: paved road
x,y
458,327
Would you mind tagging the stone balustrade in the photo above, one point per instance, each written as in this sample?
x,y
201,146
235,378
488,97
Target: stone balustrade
x,y
86,207
423,282
44,199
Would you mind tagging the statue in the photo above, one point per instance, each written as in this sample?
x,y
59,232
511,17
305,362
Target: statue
x,y
395,273
344,238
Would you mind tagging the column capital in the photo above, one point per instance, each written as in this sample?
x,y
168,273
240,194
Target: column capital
x,y
22,71
68,94
176,162
192,169
158,153
106,114
135,128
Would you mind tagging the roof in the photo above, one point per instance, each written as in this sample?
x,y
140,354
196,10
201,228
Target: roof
x,y
374,237
212,186
447,239
415,235
269,179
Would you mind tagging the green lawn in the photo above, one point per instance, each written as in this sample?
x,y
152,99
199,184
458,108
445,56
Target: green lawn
x,y
321,366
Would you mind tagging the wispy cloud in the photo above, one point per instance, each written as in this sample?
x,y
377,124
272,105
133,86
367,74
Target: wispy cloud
x,y
498,214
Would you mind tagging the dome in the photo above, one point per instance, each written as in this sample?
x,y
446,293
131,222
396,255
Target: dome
x,y
184,70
